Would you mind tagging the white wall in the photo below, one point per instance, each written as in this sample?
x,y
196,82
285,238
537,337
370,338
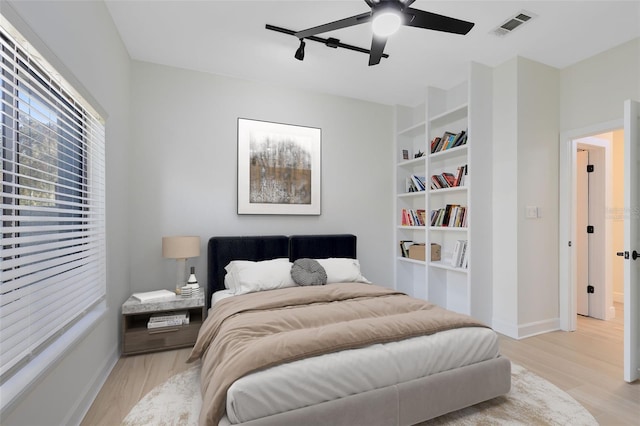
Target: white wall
x,y
593,91
505,196
183,174
538,121
80,40
592,96
525,274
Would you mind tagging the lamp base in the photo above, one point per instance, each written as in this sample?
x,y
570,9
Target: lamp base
x,y
181,267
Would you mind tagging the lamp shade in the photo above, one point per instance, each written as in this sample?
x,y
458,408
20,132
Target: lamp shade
x,y
180,247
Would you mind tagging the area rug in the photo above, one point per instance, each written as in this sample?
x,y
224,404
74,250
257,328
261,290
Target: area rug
x,y
531,401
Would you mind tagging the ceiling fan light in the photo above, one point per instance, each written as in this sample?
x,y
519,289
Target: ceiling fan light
x,y
386,23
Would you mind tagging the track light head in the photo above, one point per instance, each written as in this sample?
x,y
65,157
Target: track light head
x,y
300,52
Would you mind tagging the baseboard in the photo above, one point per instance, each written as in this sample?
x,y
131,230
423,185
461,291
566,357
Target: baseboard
x,y
538,327
92,389
505,328
516,331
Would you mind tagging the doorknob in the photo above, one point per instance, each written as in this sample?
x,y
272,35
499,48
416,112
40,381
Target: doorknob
x,y
634,254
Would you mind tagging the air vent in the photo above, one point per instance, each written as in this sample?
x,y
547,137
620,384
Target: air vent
x,y
512,23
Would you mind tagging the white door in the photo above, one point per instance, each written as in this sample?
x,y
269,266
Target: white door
x,y
631,241
582,240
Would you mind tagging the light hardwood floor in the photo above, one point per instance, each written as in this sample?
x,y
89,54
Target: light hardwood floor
x,y
586,363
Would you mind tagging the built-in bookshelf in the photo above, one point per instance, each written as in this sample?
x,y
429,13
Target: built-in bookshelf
x,y
410,200
453,130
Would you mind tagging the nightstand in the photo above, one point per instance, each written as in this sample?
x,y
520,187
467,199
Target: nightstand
x,y
138,339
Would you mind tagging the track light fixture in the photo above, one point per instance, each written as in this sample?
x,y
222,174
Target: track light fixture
x,y
300,52
329,42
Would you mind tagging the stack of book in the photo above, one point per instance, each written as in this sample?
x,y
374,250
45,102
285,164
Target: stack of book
x,y
448,140
460,258
168,319
449,180
404,247
451,215
415,183
411,217
154,296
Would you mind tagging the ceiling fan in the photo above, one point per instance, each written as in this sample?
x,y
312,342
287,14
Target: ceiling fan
x,y
386,17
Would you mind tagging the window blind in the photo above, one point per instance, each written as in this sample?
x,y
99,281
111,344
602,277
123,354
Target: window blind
x,y
52,250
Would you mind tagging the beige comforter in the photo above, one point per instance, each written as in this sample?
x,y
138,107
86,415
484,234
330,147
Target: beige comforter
x,y
258,330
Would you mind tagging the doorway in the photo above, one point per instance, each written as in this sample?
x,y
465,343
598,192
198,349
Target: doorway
x,y
591,207
598,196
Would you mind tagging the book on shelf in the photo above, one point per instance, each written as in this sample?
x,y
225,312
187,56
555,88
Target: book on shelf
x,y
419,182
434,143
167,323
451,215
167,319
154,296
411,217
460,172
448,179
415,183
404,247
449,140
459,254
171,315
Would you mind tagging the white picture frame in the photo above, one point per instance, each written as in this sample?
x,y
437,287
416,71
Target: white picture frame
x,y
278,168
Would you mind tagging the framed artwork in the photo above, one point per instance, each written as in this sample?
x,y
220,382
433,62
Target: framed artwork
x,y
278,168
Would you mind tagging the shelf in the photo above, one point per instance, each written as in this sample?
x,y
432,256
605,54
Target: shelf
x,y
448,228
448,267
413,162
410,228
454,113
413,130
451,152
447,190
409,260
411,194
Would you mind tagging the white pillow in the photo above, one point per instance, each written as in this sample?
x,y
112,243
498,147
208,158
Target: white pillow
x,y
230,279
342,270
248,277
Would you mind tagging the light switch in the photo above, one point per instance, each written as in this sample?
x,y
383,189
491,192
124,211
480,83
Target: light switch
x,y
531,212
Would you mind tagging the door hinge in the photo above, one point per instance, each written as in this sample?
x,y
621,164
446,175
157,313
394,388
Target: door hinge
x,y
590,229
590,289
590,168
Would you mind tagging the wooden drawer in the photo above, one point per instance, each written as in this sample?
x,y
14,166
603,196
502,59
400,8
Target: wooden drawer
x,y
143,340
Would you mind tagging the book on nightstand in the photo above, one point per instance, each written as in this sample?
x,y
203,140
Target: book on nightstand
x,y
155,296
168,319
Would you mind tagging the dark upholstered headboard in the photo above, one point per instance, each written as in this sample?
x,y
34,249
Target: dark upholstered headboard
x,y
222,250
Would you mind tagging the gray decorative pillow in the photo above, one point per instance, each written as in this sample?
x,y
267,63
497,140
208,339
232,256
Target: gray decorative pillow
x,y
308,272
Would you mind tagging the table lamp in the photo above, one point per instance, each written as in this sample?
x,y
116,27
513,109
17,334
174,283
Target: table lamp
x,y
180,249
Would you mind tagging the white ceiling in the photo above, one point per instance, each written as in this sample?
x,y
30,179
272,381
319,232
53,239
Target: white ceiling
x,y
229,38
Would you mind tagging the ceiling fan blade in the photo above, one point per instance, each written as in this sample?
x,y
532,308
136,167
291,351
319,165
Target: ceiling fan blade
x,y
433,21
377,49
336,25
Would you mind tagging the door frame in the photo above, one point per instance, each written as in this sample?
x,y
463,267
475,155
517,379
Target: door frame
x,y
566,229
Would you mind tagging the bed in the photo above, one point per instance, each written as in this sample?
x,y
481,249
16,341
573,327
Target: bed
x,y
386,383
